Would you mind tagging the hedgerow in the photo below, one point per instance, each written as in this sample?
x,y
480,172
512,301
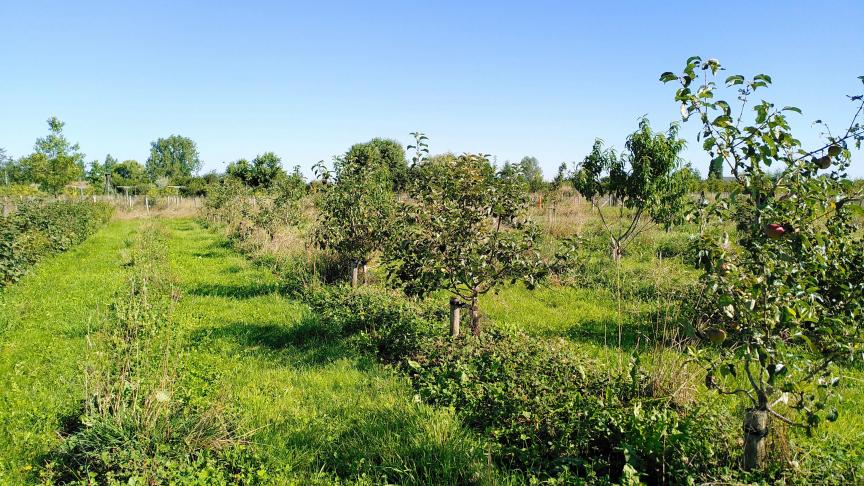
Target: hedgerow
x,y
38,228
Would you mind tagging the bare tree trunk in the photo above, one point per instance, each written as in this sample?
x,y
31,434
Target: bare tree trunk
x,y
475,316
354,271
755,432
455,316
615,250
365,278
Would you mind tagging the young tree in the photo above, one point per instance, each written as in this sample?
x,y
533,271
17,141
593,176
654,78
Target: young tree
x,y
785,294
642,180
173,157
463,233
356,212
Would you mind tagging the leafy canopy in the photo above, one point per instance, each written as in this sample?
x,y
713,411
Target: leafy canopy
x,y
174,157
462,231
785,291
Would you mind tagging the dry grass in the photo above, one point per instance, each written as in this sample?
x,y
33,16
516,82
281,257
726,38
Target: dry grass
x,y
144,206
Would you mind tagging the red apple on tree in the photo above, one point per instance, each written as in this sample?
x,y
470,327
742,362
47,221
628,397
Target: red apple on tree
x,y
775,231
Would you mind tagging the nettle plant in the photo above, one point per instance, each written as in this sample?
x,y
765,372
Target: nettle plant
x,y
644,182
463,233
356,213
784,293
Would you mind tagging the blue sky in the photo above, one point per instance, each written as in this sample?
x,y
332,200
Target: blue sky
x,y
308,79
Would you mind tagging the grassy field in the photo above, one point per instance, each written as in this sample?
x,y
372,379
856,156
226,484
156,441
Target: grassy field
x,y
44,322
314,408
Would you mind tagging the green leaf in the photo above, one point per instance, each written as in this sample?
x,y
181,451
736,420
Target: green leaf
x,y
668,76
734,80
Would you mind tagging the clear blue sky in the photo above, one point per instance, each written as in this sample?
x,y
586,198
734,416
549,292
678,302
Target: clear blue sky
x,y
308,79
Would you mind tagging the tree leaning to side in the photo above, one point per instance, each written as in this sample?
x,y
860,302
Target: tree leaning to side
x,y
463,233
784,295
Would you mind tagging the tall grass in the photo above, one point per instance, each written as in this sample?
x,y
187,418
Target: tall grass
x,y
133,426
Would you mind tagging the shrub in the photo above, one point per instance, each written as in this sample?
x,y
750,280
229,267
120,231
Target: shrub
x,y
39,228
556,414
390,326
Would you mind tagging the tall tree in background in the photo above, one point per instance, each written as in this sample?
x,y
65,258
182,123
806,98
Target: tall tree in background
x,y
388,153
263,171
529,168
96,171
128,173
174,157
54,163
715,169
4,167
266,169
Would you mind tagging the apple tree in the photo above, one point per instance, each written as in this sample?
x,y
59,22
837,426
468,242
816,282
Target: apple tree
x,y
356,211
784,269
643,181
463,232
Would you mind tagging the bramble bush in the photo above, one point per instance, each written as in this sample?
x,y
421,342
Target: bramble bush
x,y
555,414
39,228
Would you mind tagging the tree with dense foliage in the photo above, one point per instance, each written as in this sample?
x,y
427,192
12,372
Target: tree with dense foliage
x,y
54,163
784,294
529,169
96,171
173,157
463,233
380,151
128,173
642,182
356,211
715,169
263,171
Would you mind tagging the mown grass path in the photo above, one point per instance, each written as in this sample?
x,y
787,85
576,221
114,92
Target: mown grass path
x,y
44,320
315,408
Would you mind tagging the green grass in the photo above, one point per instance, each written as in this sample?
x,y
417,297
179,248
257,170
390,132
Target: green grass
x,y
44,320
311,405
315,409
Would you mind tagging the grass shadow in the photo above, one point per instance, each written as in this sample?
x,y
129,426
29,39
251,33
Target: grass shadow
x,y
307,343
637,332
241,291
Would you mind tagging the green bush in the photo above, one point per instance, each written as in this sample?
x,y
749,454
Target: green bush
x,y
38,228
385,322
555,414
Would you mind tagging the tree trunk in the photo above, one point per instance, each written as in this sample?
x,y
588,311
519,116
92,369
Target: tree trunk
x,y
755,433
365,278
455,316
615,250
354,271
475,316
